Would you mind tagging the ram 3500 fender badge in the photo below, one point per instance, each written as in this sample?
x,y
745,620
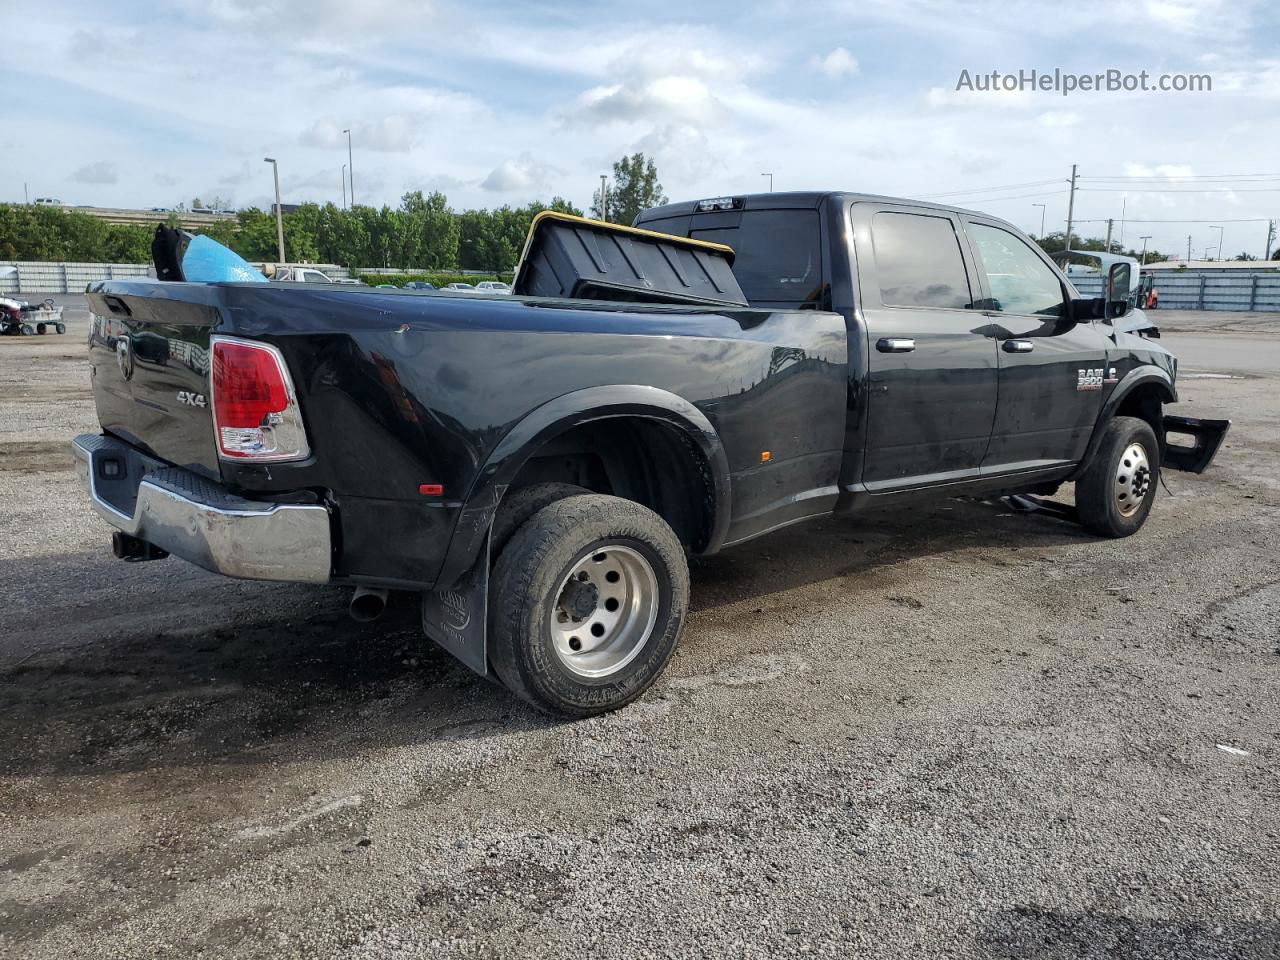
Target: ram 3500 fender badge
x,y
187,398
1092,378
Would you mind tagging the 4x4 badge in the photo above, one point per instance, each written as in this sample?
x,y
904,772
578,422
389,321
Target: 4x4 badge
x,y
192,399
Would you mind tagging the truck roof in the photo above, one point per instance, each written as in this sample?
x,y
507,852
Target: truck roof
x,y
792,200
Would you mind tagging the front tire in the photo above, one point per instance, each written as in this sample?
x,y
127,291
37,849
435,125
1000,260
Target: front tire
x,y
1115,493
587,602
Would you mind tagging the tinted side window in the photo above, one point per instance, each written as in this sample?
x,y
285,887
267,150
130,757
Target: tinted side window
x,y
1020,282
918,261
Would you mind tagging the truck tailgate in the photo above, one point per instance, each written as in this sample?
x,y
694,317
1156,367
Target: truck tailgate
x,y
149,364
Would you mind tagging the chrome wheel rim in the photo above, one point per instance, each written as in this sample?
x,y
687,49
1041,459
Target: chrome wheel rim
x,y
1133,479
605,610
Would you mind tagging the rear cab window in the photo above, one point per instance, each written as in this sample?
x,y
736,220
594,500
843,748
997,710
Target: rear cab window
x,y
777,253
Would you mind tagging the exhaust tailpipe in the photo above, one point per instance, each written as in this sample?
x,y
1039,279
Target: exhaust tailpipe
x,y
367,604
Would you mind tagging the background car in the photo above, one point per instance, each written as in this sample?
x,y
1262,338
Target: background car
x,y
419,285
492,286
459,288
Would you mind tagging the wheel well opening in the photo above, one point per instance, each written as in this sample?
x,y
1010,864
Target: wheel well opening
x,y
1146,402
637,458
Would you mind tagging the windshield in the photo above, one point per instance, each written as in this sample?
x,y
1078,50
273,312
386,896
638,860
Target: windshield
x,y
778,260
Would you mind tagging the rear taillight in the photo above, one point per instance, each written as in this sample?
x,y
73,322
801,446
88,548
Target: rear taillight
x,y
255,411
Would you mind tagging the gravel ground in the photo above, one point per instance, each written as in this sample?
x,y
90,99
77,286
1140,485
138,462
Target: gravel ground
x,y
949,732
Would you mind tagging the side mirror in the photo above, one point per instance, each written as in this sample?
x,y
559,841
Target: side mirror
x,y
1119,281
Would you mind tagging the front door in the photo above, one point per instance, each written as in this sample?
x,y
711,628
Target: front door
x,y
932,367
1051,368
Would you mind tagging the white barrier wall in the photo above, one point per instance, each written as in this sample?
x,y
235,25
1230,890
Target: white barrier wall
x,y
44,278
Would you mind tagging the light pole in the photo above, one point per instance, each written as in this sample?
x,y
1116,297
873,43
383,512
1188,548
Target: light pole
x,y
275,172
604,197
344,186
1041,206
770,176
1220,235
351,168
1144,249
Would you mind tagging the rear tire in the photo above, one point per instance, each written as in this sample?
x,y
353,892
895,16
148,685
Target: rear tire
x,y
587,602
1115,493
521,504
60,327
40,329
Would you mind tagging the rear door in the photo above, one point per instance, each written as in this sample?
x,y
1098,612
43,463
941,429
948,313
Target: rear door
x,y
932,367
1051,369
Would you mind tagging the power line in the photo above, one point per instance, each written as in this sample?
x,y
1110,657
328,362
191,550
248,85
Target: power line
x,y
1209,220
1138,184
1007,186
1189,176
1193,190
1020,196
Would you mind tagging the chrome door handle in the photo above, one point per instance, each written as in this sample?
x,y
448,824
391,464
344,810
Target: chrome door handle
x,y
895,345
1018,346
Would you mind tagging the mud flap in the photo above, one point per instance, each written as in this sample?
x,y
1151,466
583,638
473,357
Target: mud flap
x,y
456,618
1208,436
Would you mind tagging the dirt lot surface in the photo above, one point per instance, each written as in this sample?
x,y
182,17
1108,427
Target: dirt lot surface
x,y
951,732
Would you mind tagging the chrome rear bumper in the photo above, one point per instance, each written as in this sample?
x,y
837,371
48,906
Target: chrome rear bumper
x,y
199,521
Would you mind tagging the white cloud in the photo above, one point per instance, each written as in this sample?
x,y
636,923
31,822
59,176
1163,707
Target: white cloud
x,y
393,134
660,99
950,97
1170,171
521,174
1058,118
837,64
100,172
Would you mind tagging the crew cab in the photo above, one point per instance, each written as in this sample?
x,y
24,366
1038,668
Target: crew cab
x,y
540,469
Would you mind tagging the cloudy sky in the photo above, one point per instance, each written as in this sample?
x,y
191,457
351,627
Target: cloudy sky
x,y
125,103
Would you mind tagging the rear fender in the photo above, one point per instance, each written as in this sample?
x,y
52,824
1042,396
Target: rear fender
x,y
454,612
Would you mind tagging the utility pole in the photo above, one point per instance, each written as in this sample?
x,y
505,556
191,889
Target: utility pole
x,y
1071,205
604,197
351,168
1109,222
770,176
1124,202
1144,249
1271,235
1041,206
275,172
1188,249
344,186
26,198
1221,249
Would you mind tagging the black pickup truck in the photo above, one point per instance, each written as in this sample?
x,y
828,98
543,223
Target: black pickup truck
x,y
539,469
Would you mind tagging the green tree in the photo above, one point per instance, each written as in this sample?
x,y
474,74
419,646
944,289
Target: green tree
x,y
635,187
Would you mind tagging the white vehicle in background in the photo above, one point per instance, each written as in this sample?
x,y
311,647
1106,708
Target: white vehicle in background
x,y
306,275
1094,263
492,286
48,202
458,288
